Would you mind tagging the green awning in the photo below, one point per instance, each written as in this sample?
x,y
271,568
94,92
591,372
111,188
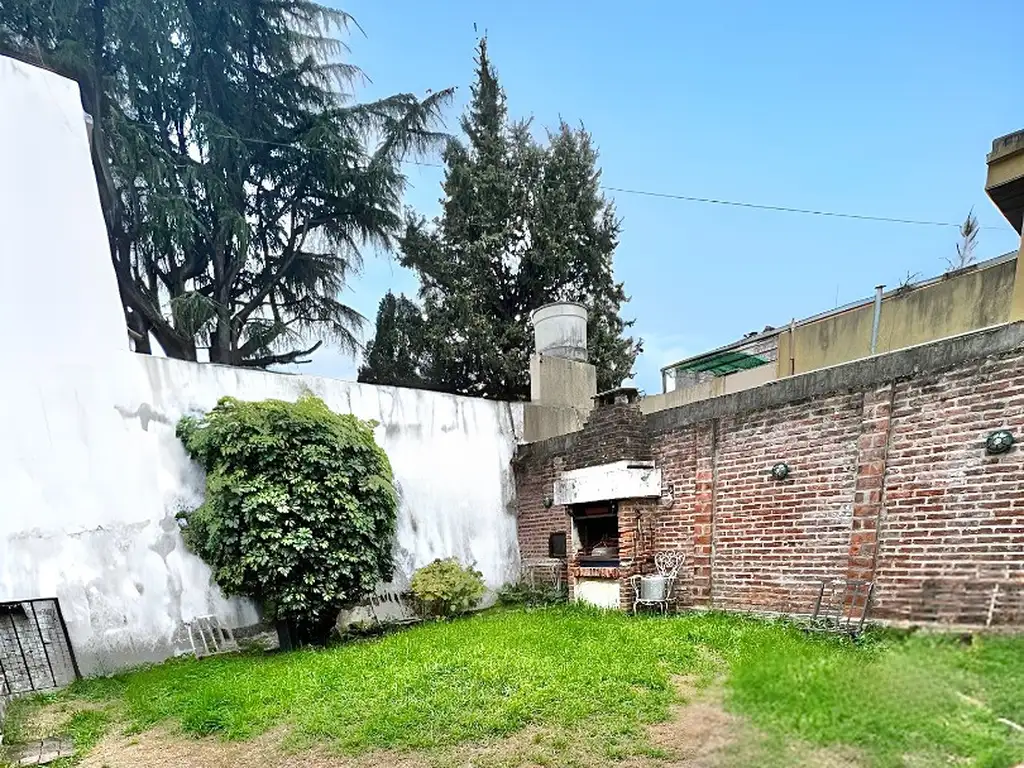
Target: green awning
x,y
722,363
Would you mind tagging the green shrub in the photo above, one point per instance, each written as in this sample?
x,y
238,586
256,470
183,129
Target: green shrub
x,y
447,588
524,593
300,507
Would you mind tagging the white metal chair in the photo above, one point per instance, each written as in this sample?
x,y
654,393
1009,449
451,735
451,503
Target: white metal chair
x,y
656,589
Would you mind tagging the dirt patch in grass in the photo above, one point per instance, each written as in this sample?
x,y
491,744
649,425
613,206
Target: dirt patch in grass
x,y
35,721
162,748
700,733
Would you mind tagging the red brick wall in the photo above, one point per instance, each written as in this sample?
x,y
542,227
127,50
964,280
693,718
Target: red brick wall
x,y
953,517
889,482
675,520
614,432
535,477
774,540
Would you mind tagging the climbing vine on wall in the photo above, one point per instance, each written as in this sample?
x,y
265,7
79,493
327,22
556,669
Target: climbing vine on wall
x,y
300,506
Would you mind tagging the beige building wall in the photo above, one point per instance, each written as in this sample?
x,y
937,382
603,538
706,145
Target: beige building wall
x,y
720,385
543,421
561,397
962,303
1017,306
557,381
959,303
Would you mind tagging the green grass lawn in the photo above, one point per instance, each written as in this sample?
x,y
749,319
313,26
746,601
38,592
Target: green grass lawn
x,y
608,675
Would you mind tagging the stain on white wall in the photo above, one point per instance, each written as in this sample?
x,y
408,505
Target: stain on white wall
x,y
91,473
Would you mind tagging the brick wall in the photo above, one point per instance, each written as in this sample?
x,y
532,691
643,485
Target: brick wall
x,y
676,522
889,482
535,472
613,432
951,542
774,540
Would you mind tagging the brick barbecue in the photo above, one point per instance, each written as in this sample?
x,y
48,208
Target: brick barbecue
x,y
889,481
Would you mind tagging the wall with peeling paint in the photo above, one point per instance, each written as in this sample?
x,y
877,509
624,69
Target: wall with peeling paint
x,y
91,474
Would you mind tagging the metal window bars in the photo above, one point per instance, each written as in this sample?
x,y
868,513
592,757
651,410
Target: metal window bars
x,y
35,648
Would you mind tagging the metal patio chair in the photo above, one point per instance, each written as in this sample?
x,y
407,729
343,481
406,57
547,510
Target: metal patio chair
x,y
656,589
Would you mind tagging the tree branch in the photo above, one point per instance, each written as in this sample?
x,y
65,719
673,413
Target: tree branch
x,y
282,359
269,283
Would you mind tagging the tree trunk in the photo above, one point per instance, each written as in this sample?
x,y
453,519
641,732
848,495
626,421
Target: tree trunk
x,y
220,341
139,331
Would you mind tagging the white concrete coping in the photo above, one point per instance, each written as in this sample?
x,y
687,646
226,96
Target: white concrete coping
x,y
606,482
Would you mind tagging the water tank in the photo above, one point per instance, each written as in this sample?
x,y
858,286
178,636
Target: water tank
x,y
560,330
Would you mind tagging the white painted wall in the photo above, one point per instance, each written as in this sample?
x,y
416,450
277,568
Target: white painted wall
x,y
92,476
59,297
90,471
603,593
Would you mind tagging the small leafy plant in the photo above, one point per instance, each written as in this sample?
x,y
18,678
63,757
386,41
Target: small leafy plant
x,y
447,588
299,511
531,594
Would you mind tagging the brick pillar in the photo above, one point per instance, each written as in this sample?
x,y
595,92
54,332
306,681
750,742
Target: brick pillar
x,y
636,547
869,490
628,565
704,514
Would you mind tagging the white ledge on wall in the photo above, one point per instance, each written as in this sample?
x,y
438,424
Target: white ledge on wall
x,y
607,482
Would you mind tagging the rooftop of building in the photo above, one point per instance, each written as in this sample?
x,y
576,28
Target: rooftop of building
x,y
732,357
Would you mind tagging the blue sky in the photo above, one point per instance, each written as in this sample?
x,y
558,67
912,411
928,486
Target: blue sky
x,y
879,108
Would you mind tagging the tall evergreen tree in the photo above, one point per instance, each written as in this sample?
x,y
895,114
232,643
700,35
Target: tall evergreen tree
x,y
395,354
235,174
523,224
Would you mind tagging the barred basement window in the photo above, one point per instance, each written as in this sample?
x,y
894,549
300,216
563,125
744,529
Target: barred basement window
x,y
35,650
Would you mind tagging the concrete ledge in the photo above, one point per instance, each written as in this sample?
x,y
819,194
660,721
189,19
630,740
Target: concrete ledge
x,y
541,422
861,374
544,449
618,480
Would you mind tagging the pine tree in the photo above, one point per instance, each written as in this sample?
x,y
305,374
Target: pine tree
x,y
522,225
578,223
394,356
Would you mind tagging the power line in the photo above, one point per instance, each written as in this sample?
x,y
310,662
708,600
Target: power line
x,y
786,209
693,198
756,206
